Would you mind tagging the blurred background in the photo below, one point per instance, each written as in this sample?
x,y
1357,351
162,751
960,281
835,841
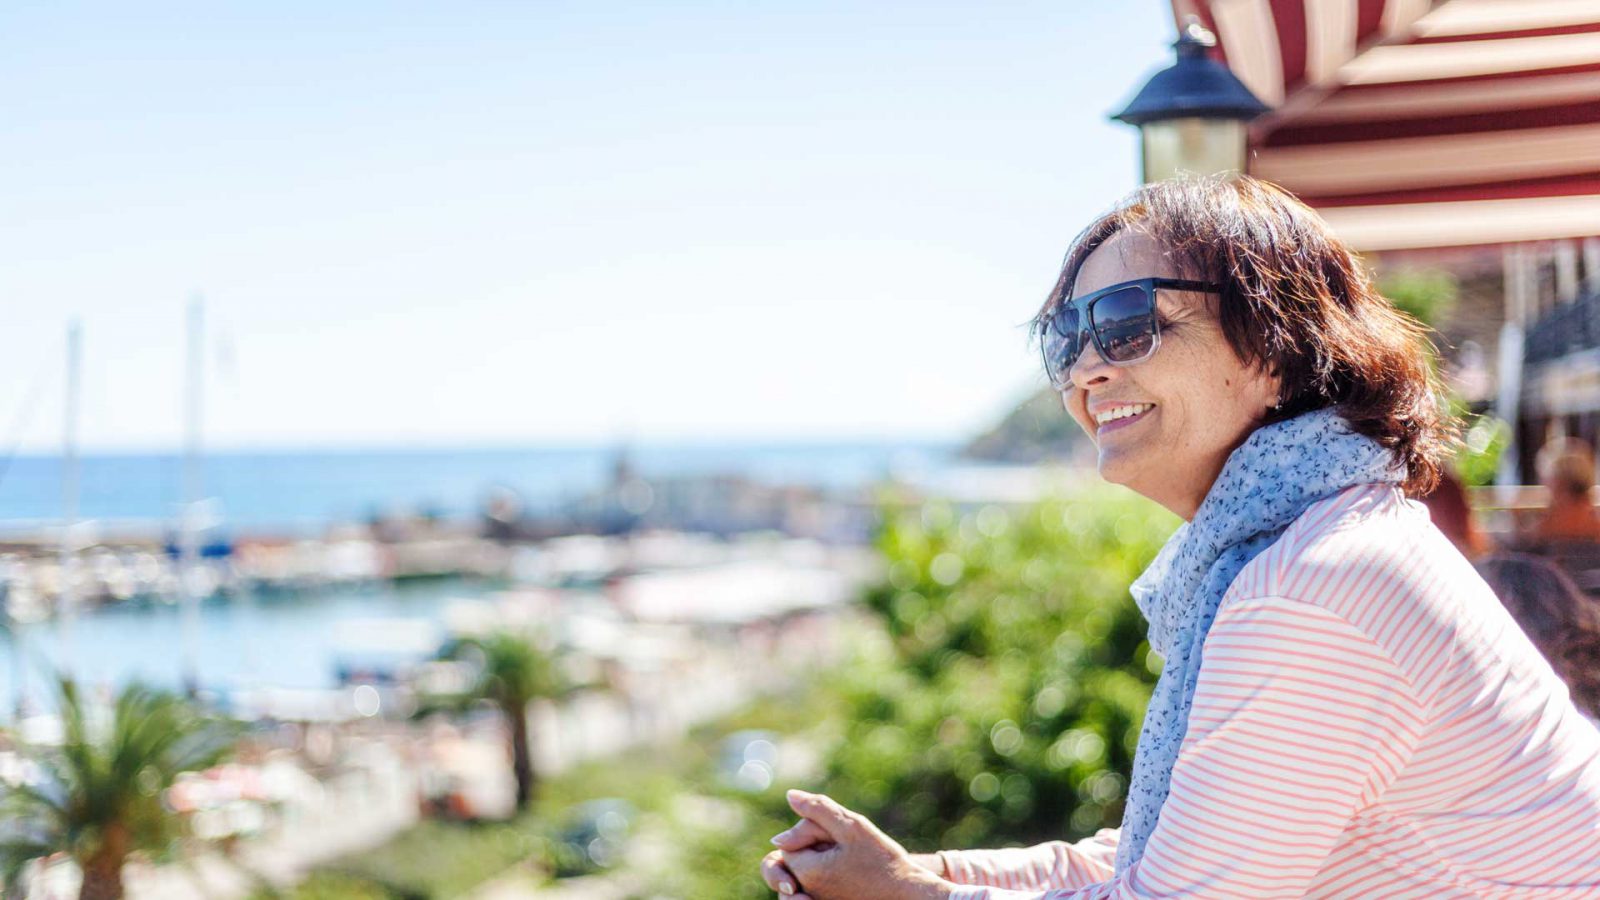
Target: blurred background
x,y
492,450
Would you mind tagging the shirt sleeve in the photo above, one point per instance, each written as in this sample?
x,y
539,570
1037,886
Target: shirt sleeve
x,y
1056,864
1299,721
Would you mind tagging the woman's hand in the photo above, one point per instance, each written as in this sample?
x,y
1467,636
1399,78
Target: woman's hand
x,y
835,854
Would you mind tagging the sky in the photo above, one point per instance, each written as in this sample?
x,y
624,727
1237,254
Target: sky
x,y
547,222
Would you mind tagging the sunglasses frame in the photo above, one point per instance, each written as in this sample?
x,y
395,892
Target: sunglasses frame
x,y
1086,306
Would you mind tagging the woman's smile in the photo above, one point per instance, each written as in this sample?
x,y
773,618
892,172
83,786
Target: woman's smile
x,y
1116,418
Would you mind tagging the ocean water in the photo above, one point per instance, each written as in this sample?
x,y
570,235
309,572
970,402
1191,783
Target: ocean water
x,y
246,641
286,491
241,640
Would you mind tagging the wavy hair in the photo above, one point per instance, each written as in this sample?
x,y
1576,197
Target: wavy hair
x,y
1296,302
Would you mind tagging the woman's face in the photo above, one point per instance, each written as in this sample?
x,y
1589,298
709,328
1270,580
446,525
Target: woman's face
x,y
1198,401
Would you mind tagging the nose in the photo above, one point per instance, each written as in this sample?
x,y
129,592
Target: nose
x,y
1089,368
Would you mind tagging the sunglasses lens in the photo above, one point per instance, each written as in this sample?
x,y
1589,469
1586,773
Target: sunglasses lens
x,y
1061,342
1125,323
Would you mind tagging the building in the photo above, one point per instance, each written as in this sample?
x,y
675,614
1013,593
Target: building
x,y
1463,134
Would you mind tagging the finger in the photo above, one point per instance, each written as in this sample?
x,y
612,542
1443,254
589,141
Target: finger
x,y
803,834
807,864
834,819
777,875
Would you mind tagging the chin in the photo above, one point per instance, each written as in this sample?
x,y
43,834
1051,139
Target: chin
x,y
1116,468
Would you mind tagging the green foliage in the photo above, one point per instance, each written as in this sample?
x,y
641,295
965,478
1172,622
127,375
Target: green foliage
x,y
1008,703
438,859
512,669
719,834
1427,295
432,859
329,886
1478,458
720,856
101,796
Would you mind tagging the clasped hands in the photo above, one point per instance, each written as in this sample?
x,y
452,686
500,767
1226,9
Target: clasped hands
x,y
836,854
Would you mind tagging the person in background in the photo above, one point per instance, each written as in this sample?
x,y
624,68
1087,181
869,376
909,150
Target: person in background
x,y
1566,468
1561,620
1452,514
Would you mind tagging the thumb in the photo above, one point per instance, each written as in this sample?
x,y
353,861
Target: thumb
x,y
832,818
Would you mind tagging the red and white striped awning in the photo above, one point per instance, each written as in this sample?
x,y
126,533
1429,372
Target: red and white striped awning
x,y
1414,124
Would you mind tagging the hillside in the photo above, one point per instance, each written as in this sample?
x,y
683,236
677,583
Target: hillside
x,y
1038,429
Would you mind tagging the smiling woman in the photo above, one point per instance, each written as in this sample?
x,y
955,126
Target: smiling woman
x,y
1344,708
1163,425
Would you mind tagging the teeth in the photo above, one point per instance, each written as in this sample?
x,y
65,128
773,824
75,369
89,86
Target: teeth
x,y
1121,412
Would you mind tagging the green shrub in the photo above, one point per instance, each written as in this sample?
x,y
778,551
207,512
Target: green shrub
x,y
1007,703
1427,295
328,886
439,859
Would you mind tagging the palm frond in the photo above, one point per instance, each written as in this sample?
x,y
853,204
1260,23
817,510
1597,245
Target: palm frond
x,y
110,771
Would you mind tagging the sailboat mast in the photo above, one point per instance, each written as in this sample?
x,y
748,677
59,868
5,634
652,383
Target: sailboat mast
x,y
67,599
193,488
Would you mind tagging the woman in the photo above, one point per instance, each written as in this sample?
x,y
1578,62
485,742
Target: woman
x,y
1345,710
1562,621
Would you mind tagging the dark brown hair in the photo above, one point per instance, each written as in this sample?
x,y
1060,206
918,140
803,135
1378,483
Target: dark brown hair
x,y
1297,302
1561,620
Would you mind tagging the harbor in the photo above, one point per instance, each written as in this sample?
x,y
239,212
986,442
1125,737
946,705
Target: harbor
x,y
659,631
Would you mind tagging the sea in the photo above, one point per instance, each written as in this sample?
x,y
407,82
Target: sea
x,y
306,491
244,642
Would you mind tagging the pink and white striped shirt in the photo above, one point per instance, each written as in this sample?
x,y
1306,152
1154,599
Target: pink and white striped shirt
x,y
1369,722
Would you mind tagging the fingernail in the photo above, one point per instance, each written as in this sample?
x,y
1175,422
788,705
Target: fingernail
x,y
795,793
781,836
785,887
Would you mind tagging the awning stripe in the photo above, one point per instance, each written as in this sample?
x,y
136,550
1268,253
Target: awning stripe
x,y
1585,28
1554,186
1480,222
1330,37
1368,166
1289,18
1250,40
1465,59
1400,15
1380,103
1481,17
1369,19
1470,123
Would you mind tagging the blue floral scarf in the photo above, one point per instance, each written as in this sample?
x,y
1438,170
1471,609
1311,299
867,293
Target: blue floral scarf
x,y
1279,471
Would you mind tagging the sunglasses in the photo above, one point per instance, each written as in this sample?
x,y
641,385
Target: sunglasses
x,y
1121,320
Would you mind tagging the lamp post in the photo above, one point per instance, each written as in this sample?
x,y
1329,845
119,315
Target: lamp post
x,y
1192,115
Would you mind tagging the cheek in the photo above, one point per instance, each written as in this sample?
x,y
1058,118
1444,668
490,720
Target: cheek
x,y
1076,405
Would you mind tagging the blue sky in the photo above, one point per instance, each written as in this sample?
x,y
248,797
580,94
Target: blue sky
x,y
474,222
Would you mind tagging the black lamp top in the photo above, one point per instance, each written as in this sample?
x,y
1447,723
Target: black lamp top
x,y
1195,86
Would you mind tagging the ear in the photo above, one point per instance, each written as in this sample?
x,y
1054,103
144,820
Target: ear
x,y
1270,384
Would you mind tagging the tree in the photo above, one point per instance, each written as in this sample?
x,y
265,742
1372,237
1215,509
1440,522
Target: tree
x,y
99,797
512,671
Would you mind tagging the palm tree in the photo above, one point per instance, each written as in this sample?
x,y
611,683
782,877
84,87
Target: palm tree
x,y
100,797
512,671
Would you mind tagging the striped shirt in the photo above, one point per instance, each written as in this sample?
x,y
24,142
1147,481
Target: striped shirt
x,y
1368,722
